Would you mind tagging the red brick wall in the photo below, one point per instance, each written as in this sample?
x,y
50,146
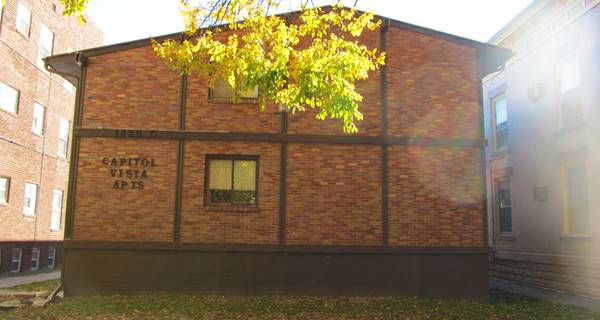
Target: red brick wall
x,y
432,86
106,213
144,94
333,194
435,196
25,156
211,224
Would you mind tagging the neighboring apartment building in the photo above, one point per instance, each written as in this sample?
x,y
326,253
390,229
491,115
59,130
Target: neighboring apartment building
x,y
36,112
543,158
176,188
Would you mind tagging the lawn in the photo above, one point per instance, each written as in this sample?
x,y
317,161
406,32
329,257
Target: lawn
x,y
501,306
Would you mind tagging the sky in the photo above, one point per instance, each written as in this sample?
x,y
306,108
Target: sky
x,y
126,20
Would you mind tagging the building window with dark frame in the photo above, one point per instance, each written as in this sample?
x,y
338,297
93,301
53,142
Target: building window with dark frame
x,y
504,206
51,257
500,122
575,194
570,109
232,180
4,189
222,93
35,259
15,262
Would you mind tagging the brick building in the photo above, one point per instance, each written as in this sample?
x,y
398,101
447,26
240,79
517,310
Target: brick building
x,y
175,188
36,110
543,207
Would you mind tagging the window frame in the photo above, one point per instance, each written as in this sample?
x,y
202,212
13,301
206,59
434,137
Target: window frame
x,y
37,259
565,198
2,202
12,260
493,101
42,120
58,151
210,157
19,5
242,100
26,212
17,100
497,207
60,212
573,91
52,257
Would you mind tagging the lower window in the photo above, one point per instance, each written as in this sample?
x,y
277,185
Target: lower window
x,y
504,206
232,180
51,257
15,262
35,259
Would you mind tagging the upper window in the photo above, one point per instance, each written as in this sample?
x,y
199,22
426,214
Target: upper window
x,y
232,180
4,189
30,199
37,126
63,137
46,44
35,259
500,125
570,97
577,218
9,98
222,92
51,257
23,19
504,206
57,203
15,262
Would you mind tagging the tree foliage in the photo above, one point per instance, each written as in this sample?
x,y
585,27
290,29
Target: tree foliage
x,y
310,59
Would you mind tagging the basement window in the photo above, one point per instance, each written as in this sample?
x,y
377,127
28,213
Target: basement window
x,y
35,259
222,93
15,262
232,180
51,257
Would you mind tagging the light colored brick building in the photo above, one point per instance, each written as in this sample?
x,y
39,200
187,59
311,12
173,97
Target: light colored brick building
x,y
542,121
178,189
36,112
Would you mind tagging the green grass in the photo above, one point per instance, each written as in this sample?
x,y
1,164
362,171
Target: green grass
x,y
37,286
501,306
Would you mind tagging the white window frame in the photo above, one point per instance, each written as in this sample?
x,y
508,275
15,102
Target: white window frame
x,y
23,13
63,136
12,260
35,258
7,191
51,257
56,215
30,210
37,125
46,46
5,90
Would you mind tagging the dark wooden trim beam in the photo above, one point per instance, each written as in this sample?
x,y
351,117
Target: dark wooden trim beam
x,y
324,249
276,137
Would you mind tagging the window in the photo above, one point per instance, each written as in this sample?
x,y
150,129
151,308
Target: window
x,y
37,126
30,199
504,206
222,92
35,259
63,138
577,218
500,125
56,217
570,98
232,180
15,262
23,20
51,257
9,98
4,189
46,44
